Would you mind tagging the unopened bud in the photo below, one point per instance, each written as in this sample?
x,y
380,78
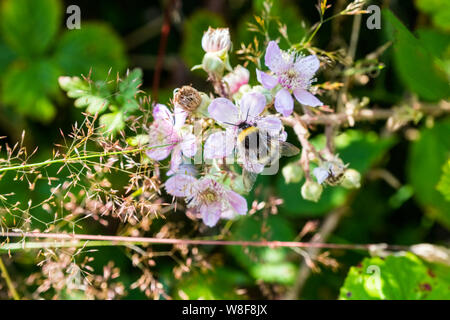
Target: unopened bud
x,y
187,98
311,191
352,179
213,64
216,40
292,173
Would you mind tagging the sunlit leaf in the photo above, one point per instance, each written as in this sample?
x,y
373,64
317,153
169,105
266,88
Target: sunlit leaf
x,y
403,277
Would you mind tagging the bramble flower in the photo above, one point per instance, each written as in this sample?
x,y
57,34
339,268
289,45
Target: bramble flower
x,y
236,79
222,144
216,40
211,199
294,73
167,130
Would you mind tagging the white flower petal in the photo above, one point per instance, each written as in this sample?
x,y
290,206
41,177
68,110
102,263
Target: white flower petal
x,y
306,98
252,104
180,185
223,110
284,103
266,80
238,202
219,145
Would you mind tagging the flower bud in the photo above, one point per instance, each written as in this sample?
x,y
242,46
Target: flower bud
x,y
213,64
311,191
187,98
352,179
292,173
216,40
236,79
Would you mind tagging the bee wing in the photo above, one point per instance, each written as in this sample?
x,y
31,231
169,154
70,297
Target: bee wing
x,y
249,179
287,149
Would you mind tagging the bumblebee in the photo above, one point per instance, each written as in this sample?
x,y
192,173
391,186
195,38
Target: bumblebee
x,y
260,148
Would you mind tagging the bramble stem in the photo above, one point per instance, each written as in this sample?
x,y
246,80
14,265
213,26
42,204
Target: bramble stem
x,y
8,281
102,240
363,115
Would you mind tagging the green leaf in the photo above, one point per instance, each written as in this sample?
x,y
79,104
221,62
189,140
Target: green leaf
x,y
360,150
417,68
27,87
439,11
194,28
438,43
128,90
112,122
395,278
426,157
94,47
29,27
6,56
212,285
444,183
267,264
94,104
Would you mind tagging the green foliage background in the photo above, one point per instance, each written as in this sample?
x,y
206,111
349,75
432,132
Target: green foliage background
x,y
36,48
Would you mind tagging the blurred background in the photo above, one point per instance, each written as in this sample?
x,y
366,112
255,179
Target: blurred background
x,y
397,204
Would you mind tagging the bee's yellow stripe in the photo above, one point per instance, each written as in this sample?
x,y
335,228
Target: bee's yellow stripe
x,y
246,132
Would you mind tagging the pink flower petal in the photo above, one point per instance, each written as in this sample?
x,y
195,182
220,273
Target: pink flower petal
x,y
163,137
211,213
273,58
180,185
284,103
223,110
252,104
180,117
175,160
307,66
266,80
252,165
219,145
306,98
238,202
161,112
159,153
189,145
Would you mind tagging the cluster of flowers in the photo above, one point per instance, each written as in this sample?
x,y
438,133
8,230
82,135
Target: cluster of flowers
x,y
239,107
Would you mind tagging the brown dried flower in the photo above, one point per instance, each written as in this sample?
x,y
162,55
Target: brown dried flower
x,y
188,98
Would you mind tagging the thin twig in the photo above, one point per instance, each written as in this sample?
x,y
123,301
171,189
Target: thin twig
x,y
364,115
123,240
325,231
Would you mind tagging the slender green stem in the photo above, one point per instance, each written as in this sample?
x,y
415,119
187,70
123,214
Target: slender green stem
x,y
8,281
66,160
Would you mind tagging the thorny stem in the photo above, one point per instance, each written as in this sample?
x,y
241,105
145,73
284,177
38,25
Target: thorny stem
x,y
8,281
102,240
66,160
